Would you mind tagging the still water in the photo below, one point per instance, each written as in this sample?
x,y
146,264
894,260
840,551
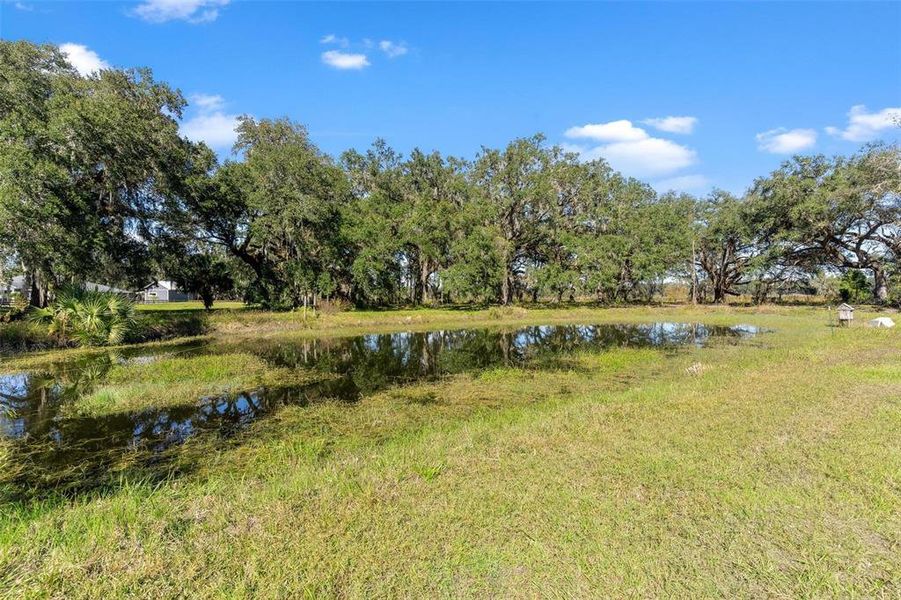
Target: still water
x,y
61,447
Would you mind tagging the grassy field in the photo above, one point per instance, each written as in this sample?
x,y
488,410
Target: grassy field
x,y
771,468
192,305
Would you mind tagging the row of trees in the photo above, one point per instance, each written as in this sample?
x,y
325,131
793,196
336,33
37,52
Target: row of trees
x,y
97,184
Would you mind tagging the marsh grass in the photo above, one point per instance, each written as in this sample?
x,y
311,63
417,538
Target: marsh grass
x,y
176,380
772,471
22,336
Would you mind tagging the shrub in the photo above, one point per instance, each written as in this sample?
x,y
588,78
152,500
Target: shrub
x,y
19,336
90,318
330,307
894,294
17,308
854,287
507,312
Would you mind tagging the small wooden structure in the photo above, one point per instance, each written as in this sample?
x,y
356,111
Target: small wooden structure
x,y
845,315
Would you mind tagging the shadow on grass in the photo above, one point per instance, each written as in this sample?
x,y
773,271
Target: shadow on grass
x,y
164,325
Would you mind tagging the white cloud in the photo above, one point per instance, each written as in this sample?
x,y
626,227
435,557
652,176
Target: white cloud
x,y
342,59
85,60
393,49
334,39
614,131
648,158
192,11
786,141
216,129
23,6
207,102
631,150
210,123
345,60
683,183
864,126
673,124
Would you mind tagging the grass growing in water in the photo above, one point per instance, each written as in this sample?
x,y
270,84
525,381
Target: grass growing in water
x,y
172,381
770,471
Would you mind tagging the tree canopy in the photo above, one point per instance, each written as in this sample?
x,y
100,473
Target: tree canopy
x,y
84,161
97,183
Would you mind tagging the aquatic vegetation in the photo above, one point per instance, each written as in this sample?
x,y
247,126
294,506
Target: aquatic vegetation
x,y
97,406
176,380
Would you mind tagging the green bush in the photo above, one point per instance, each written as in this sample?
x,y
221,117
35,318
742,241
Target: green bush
x,y
87,317
20,336
854,287
16,309
894,290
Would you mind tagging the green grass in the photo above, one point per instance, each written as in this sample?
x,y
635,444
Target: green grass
x,y
173,380
192,305
768,469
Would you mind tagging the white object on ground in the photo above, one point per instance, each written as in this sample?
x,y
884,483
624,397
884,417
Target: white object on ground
x,y
881,322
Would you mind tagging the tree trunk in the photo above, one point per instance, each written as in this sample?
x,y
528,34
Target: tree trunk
x,y
880,285
28,285
505,287
719,292
694,273
37,289
424,272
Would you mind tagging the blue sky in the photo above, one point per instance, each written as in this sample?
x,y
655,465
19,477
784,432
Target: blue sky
x,y
749,84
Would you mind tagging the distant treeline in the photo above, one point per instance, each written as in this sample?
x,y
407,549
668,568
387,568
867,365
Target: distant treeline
x,y
96,184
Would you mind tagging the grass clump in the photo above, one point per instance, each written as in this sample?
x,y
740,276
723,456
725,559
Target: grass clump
x,y
174,381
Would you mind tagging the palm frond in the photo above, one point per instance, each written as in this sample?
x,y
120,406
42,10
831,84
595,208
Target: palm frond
x,y
90,318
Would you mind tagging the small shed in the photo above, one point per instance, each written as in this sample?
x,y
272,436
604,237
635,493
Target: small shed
x,y
165,291
845,314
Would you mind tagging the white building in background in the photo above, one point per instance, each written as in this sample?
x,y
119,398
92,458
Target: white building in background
x,y
164,291
16,286
8,289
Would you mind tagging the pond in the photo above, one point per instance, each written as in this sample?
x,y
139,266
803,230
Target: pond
x,y
61,449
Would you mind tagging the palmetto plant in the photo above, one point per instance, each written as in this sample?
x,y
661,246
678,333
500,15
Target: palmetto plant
x,y
90,318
